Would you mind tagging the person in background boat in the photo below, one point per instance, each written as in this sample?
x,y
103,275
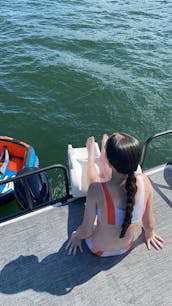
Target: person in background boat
x,y
117,205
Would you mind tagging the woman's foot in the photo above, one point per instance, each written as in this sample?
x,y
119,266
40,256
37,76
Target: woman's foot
x,y
103,146
92,173
104,139
107,171
90,144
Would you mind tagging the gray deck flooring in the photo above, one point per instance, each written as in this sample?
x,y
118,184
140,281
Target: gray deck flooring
x,y
35,269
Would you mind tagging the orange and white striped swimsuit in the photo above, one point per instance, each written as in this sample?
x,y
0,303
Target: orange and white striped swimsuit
x,y
110,214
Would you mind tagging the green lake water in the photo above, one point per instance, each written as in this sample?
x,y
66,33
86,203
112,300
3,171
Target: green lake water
x,y
71,69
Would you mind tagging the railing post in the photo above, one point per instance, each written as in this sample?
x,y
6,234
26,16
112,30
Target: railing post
x,y
145,146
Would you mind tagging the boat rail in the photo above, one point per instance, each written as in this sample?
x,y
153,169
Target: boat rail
x,y
67,196
61,200
147,142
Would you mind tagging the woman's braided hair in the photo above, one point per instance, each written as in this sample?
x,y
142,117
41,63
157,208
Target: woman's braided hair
x,y
123,153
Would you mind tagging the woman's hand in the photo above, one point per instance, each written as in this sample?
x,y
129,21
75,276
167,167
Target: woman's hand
x,y
72,245
153,239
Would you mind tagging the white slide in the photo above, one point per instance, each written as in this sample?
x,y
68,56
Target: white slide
x,y
77,159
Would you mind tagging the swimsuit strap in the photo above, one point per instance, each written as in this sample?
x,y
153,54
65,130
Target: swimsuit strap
x,y
110,206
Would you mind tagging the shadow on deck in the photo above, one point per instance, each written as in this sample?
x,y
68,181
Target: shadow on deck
x,y
35,269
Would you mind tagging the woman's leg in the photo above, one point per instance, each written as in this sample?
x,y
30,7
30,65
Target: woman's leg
x,y
92,173
106,169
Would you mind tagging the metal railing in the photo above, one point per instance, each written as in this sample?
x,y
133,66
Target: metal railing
x,y
66,179
29,199
147,142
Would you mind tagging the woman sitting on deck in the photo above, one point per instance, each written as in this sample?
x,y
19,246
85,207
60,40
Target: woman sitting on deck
x,y
116,207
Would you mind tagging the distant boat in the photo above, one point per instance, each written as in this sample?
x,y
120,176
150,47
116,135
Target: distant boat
x,y
15,156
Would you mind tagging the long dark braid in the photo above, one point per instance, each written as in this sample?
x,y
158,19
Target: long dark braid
x,y
123,153
131,189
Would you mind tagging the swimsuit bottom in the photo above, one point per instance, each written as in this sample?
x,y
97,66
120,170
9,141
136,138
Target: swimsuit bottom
x,y
107,253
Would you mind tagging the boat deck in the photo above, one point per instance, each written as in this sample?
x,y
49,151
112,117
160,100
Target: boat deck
x,y
35,269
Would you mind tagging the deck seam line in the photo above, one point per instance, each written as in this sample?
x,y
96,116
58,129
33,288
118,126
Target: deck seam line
x,y
27,215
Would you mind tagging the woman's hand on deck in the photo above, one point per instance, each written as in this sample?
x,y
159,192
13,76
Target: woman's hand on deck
x,y
73,244
153,239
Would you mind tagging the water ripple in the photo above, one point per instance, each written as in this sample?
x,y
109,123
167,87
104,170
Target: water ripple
x,y
85,67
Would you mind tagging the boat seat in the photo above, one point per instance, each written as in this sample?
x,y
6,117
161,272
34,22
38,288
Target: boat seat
x,y
4,159
15,164
168,173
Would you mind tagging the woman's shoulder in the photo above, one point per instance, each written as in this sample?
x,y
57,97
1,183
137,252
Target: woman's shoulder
x,y
146,181
94,188
95,191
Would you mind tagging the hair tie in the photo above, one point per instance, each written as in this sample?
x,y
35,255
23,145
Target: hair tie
x,y
131,173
